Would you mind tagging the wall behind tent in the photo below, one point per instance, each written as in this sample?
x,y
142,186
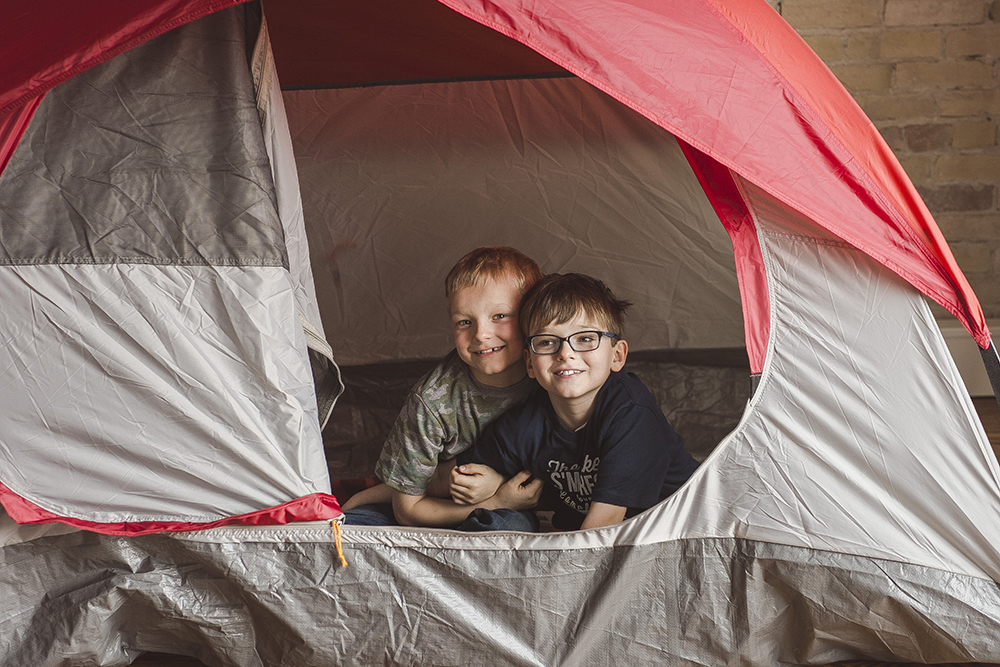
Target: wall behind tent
x,y
398,182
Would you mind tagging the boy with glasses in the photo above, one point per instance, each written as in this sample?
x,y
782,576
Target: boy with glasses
x,y
593,434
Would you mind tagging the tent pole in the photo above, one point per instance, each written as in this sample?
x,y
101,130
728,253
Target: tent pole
x,y
992,362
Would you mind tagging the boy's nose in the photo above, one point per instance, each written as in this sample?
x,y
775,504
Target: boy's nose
x,y
484,332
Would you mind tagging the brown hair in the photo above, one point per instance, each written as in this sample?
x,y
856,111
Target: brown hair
x,y
492,263
561,297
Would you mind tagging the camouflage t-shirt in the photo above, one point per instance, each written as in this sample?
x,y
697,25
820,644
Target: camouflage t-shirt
x,y
444,414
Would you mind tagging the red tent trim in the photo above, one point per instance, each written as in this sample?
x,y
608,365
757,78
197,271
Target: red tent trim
x,y
12,127
314,507
717,181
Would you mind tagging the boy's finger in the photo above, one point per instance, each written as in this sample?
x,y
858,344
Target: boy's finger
x,y
521,477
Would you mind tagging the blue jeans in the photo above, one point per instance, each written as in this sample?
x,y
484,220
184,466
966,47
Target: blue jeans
x,y
480,520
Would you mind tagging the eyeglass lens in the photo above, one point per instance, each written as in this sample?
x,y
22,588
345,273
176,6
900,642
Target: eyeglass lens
x,y
583,341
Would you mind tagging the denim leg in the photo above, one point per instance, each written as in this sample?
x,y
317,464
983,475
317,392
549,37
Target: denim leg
x,y
376,514
502,519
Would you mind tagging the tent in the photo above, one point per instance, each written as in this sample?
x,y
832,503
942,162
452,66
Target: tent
x,y
165,365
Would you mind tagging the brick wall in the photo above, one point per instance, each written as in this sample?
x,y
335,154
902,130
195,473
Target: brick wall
x,y
927,72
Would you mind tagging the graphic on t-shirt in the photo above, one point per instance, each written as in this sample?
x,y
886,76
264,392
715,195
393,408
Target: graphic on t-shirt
x,y
575,483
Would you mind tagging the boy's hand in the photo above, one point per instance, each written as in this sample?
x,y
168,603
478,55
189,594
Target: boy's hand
x,y
520,492
473,483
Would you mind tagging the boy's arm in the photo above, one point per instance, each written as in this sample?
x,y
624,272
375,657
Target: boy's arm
x,y
380,493
518,493
474,482
603,514
485,467
440,483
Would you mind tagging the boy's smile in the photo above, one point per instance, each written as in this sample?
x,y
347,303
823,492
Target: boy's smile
x,y
487,337
573,378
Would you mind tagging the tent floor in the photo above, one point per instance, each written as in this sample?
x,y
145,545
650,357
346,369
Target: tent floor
x,y
989,413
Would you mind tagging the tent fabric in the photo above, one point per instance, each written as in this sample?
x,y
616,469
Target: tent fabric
x,y
278,143
729,205
154,349
501,163
161,372
844,327
796,541
77,37
736,82
12,127
279,596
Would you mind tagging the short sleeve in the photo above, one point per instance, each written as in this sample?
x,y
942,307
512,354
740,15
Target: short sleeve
x,y
634,459
411,451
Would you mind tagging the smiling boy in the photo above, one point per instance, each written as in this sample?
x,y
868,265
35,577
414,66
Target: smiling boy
x,y
593,434
448,408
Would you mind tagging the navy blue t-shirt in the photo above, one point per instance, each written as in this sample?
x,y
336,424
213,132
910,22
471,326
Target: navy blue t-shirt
x,y
627,454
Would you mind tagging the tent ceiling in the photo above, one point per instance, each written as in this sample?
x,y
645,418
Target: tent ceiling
x,y
322,43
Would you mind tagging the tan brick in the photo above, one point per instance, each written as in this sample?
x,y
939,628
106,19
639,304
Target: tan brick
x,y
828,47
911,44
897,107
917,167
808,14
970,226
960,103
864,77
894,137
933,12
981,41
862,46
943,74
987,288
975,135
967,168
928,136
973,257
958,197
957,104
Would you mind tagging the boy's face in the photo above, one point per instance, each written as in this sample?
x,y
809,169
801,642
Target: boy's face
x,y
576,377
487,337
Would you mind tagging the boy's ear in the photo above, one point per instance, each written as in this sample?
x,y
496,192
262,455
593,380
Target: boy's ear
x,y
527,363
619,356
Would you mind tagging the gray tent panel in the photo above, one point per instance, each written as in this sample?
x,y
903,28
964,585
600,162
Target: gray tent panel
x,y
155,157
156,363
245,597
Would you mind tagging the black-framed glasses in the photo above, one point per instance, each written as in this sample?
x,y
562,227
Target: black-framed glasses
x,y
582,341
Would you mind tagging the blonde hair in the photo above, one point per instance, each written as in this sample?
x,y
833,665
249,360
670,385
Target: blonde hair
x,y
561,297
492,263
